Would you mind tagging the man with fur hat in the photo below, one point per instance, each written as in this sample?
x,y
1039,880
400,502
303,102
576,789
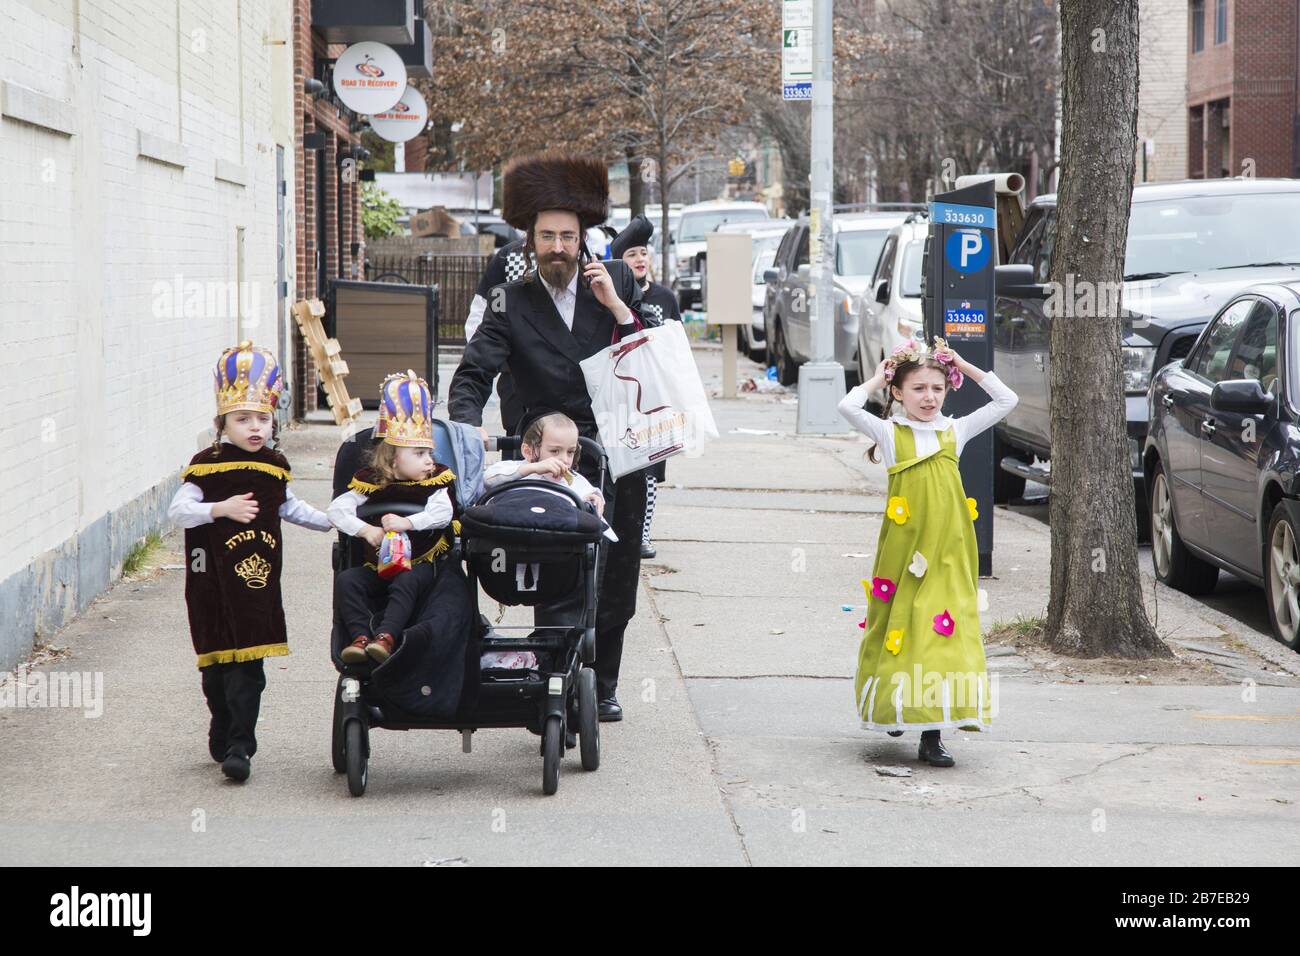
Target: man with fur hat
x,y
540,327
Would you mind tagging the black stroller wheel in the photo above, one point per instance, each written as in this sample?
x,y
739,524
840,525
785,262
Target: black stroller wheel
x,y
338,752
552,749
588,719
355,736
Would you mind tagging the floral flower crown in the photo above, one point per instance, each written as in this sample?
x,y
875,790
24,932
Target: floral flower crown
x,y
913,351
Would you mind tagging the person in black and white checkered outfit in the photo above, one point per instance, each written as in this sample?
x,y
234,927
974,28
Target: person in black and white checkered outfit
x,y
658,302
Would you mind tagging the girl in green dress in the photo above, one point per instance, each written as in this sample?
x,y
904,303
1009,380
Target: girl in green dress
x,y
921,663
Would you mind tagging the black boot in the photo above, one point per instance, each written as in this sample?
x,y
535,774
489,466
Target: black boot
x,y
932,750
236,766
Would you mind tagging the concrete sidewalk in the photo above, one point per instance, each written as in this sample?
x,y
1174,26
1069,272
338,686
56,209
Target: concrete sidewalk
x,y
740,746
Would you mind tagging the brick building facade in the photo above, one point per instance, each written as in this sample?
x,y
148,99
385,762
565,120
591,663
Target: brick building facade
x,y
1243,88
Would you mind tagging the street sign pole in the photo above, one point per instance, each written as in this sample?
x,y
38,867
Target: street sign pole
x,y
960,256
821,381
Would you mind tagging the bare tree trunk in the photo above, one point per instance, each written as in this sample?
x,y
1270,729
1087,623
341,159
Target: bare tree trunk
x,y
1096,607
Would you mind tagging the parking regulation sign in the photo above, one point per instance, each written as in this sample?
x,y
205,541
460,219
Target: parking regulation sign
x,y
968,250
796,49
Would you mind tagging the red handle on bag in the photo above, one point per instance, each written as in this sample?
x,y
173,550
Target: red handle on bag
x,y
635,319
621,353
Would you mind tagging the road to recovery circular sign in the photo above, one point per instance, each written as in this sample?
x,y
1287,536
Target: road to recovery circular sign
x,y
405,120
968,250
369,77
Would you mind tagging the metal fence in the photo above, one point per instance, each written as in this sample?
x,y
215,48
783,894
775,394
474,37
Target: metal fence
x,y
456,277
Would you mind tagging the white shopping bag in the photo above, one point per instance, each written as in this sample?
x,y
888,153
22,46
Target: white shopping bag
x,y
648,399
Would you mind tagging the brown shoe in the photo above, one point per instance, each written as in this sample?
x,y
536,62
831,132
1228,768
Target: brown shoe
x,y
380,648
355,653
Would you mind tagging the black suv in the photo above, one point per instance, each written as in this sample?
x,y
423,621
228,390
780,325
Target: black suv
x,y
1192,246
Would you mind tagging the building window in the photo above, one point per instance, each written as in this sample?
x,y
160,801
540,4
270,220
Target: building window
x,y
1220,21
1198,25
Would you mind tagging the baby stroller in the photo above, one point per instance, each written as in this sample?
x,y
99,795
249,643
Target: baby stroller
x,y
524,551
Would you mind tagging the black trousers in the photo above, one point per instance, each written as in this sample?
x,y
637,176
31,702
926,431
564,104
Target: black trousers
x,y
234,694
618,575
360,593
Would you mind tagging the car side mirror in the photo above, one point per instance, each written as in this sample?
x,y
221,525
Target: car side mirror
x,y
770,275
1016,281
882,292
1246,397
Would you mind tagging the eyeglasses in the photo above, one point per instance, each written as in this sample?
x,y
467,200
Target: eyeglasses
x,y
547,238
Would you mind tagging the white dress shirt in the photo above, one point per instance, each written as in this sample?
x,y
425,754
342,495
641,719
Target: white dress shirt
x,y
343,512
925,435
189,510
565,299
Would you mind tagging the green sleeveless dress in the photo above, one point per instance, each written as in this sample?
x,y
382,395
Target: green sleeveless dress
x,y
921,663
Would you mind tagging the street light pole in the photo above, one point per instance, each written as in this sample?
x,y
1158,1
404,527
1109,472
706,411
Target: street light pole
x,y
821,381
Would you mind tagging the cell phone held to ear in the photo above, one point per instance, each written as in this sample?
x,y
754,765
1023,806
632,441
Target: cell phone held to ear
x,y
620,273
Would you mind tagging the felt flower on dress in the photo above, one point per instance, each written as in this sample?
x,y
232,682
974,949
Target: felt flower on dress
x,y
894,642
971,506
863,623
898,510
944,624
882,589
918,565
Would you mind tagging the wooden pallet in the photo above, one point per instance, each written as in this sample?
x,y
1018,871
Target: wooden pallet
x,y
328,356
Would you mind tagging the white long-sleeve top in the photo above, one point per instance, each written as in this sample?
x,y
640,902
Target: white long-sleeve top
x,y
926,434
189,510
436,514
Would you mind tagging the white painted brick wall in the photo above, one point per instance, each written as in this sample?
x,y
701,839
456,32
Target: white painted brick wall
x,y
88,228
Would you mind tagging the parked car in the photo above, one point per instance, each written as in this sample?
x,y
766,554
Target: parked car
x,y
766,235
787,308
1222,455
690,238
1192,246
890,309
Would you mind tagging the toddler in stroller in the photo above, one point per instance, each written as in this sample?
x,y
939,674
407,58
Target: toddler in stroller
x,y
527,541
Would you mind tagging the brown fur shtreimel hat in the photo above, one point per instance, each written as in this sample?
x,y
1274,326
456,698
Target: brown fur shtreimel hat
x,y
542,181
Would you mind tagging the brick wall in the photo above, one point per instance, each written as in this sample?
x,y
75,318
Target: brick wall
x,y
1253,77
128,173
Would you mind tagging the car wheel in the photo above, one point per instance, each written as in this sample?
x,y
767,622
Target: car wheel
x,y
787,373
1282,578
1174,564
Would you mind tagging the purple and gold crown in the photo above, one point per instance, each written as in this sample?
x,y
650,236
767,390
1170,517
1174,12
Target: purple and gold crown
x,y
408,408
247,379
381,423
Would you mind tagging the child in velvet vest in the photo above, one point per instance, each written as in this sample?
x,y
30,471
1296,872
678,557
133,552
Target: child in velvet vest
x,y
230,503
402,469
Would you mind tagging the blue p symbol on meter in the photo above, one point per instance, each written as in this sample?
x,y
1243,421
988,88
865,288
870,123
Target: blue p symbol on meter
x,y
967,250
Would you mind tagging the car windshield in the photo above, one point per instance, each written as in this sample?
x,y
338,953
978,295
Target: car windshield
x,y
699,224
856,252
913,253
1200,233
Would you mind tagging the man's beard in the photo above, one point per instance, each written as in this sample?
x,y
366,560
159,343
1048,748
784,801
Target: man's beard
x,y
557,269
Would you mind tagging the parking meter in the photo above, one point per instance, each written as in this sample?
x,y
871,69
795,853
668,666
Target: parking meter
x,y
960,256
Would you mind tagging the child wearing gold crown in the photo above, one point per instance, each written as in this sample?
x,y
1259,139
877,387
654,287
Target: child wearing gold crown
x,y
230,504
402,469
921,662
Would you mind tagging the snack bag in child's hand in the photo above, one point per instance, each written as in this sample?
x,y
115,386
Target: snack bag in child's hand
x,y
394,554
